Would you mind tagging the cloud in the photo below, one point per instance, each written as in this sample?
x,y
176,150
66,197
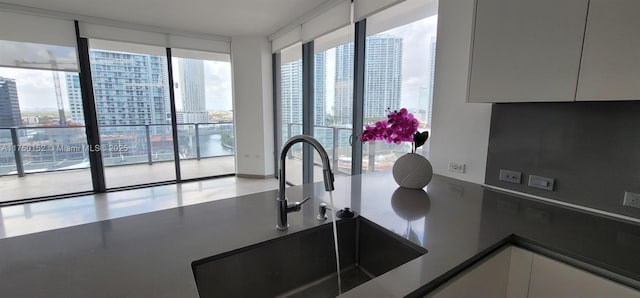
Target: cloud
x,y
35,88
416,57
218,85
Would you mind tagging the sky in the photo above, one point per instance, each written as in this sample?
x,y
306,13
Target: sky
x,y
217,81
36,87
416,39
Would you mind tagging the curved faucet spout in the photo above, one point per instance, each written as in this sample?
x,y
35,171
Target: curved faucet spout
x,y
326,162
326,172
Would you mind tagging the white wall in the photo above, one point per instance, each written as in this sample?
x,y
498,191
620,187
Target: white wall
x,y
253,106
460,129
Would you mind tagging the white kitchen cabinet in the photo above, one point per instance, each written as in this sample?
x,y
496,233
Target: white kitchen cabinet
x,y
610,68
550,278
517,273
526,51
503,274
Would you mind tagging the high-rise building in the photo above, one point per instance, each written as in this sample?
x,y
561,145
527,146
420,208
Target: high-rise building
x,y
343,89
320,92
74,96
9,103
383,77
291,74
129,89
291,88
192,91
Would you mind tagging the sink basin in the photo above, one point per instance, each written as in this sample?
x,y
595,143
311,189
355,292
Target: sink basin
x,y
302,264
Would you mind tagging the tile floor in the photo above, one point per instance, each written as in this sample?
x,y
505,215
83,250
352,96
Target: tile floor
x,y
63,182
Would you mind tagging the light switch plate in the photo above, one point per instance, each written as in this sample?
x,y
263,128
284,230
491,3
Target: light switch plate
x,y
541,182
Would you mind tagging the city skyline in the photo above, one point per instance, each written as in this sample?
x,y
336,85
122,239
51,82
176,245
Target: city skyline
x,y
37,94
412,88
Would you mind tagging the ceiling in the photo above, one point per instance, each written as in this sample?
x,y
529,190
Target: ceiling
x,y
218,17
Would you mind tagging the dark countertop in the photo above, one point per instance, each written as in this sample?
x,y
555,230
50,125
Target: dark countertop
x,y
150,255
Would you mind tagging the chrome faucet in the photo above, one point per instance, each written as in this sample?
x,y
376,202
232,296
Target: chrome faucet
x,y
283,206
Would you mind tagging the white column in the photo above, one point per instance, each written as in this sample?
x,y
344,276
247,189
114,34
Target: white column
x,y
253,106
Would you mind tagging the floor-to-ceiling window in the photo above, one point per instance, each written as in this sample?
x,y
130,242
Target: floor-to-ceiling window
x,y
87,107
333,98
362,72
131,92
399,72
202,88
43,149
290,108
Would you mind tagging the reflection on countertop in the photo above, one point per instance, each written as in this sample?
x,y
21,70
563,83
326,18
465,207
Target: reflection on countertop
x,y
43,216
456,221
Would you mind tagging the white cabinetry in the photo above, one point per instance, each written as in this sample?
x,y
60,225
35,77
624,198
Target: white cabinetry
x,y
487,279
518,273
610,68
526,51
550,278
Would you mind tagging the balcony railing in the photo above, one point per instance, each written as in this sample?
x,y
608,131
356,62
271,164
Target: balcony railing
x,y
26,150
376,156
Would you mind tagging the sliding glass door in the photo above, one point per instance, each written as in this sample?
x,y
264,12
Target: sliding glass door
x,y
202,88
130,86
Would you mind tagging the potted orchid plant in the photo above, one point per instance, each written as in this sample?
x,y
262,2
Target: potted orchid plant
x,y
411,170
399,127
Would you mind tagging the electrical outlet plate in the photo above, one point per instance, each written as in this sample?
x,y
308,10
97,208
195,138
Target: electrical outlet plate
x,y
541,182
457,167
510,176
631,199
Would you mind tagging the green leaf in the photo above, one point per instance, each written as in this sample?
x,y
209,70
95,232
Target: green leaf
x,y
420,138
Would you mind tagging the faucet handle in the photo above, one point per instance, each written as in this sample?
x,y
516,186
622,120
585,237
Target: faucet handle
x,y
296,206
304,201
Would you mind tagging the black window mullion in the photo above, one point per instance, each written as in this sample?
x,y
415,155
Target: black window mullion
x,y
174,117
277,107
358,96
307,109
90,114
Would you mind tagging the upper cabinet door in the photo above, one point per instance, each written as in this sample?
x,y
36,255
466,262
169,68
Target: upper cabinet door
x,y
526,50
610,67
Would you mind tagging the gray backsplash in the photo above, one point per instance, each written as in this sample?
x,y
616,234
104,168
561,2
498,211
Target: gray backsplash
x,y
592,149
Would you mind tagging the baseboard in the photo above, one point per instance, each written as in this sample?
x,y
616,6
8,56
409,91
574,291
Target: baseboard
x,y
250,176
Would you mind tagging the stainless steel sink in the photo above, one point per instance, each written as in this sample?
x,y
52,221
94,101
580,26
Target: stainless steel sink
x,y
303,264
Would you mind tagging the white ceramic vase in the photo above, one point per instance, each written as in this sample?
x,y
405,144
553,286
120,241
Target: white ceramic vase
x,y
412,170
